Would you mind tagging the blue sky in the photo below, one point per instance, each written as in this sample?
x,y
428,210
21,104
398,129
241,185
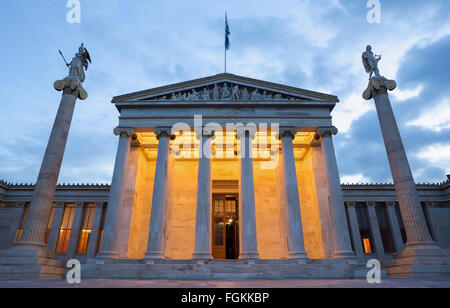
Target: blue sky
x,y
312,44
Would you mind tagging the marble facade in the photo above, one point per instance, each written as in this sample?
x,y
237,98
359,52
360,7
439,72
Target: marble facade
x,y
293,213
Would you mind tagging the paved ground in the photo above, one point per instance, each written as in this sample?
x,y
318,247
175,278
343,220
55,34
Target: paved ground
x,y
111,283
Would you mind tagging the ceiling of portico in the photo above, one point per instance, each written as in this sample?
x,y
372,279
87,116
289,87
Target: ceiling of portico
x,y
223,145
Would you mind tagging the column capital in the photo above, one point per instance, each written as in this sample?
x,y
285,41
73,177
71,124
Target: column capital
x,y
351,203
378,86
123,131
72,86
21,204
240,131
287,132
370,203
204,131
99,204
326,132
391,203
165,132
79,204
60,204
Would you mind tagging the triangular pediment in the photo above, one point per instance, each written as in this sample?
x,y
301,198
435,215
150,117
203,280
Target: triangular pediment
x,y
225,87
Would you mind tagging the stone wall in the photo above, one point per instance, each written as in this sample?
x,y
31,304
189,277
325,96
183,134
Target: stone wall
x,y
180,224
269,213
309,205
142,205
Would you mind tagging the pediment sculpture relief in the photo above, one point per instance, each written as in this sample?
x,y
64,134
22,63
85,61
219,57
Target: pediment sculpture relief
x,y
225,91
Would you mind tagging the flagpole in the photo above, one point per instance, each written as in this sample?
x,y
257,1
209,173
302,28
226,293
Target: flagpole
x,y
225,46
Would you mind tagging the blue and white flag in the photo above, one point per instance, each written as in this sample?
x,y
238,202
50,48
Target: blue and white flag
x,y
227,33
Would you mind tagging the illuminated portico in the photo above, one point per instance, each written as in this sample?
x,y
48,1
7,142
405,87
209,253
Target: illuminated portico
x,y
187,142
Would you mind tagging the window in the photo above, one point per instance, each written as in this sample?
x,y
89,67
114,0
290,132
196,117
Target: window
x,y
366,245
64,231
22,222
86,229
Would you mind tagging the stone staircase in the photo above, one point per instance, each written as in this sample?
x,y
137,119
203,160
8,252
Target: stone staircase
x,y
431,262
223,270
18,263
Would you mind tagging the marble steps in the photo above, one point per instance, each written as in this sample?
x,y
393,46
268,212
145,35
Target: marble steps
x,y
29,263
30,271
224,271
420,263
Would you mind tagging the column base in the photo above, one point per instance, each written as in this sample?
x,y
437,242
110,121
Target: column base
x,y
420,261
202,256
297,255
21,261
150,257
249,256
108,255
344,255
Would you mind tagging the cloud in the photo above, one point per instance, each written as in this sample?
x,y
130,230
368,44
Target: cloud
x,y
422,119
312,44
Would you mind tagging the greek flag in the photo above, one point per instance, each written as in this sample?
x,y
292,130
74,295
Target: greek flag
x,y
227,33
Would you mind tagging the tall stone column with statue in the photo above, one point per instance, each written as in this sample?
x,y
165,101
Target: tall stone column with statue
x,y
421,255
35,259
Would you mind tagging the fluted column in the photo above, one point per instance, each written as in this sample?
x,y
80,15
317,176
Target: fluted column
x,y
356,234
375,231
109,240
203,221
155,249
296,249
95,231
41,204
394,226
343,247
413,217
247,227
56,225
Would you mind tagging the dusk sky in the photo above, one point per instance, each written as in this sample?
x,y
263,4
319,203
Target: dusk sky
x,y
141,44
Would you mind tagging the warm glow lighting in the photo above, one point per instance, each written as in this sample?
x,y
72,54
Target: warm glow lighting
x,y
225,145
367,248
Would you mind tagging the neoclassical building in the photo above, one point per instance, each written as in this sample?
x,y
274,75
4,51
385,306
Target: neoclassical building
x,y
225,177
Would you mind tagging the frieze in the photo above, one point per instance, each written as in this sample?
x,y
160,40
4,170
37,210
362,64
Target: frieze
x,y
225,91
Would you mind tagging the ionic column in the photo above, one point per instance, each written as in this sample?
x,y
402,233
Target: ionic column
x,y
375,231
156,229
41,204
203,221
72,246
56,225
356,234
343,247
411,210
247,228
394,226
95,231
109,240
296,249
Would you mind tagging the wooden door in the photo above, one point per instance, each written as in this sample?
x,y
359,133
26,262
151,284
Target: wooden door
x,y
225,226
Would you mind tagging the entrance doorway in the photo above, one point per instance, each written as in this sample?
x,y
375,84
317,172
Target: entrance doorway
x,y
225,225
